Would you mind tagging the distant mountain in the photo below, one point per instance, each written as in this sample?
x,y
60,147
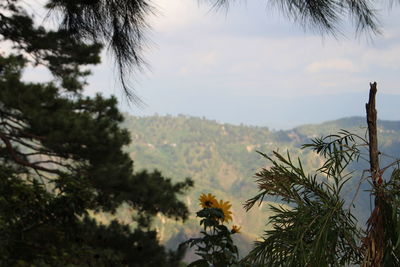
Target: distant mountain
x,y
222,159
352,123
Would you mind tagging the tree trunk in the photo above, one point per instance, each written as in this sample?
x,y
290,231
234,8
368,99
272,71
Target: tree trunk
x,y
374,243
373,135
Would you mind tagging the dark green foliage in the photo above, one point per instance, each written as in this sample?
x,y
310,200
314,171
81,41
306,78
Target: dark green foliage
x,y
61,159
60,156
59,52
390,202
156,197
315,229
339,150
39,228
215,247
323,15
119,24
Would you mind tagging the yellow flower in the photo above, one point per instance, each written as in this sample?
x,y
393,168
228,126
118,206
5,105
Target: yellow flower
x,y
224,206
207,201
235,229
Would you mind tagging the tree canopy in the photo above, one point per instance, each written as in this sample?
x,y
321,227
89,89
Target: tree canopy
x,y
62,159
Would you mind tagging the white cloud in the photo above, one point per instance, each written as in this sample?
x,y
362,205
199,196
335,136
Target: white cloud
x,y
208,58
384,58
184,71
336,64
175,15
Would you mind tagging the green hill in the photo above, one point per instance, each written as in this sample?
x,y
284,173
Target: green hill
x,y
222,159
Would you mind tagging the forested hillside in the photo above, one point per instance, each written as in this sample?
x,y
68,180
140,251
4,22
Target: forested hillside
x,y
222,159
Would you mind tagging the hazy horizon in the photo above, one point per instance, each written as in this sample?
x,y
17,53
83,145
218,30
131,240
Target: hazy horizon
x,y
249,124
353,106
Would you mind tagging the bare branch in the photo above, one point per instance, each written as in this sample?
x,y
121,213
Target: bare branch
x,y
21,161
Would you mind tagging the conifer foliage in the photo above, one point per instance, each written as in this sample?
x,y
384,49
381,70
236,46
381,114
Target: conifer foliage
x,y
61,156
316,226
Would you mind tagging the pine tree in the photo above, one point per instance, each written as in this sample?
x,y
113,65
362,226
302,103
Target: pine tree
x,y
62,158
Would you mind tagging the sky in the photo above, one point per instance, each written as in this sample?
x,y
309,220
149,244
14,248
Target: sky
x,y
251,65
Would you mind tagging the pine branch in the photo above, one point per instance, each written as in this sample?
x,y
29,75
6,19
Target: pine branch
x,y
21,161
